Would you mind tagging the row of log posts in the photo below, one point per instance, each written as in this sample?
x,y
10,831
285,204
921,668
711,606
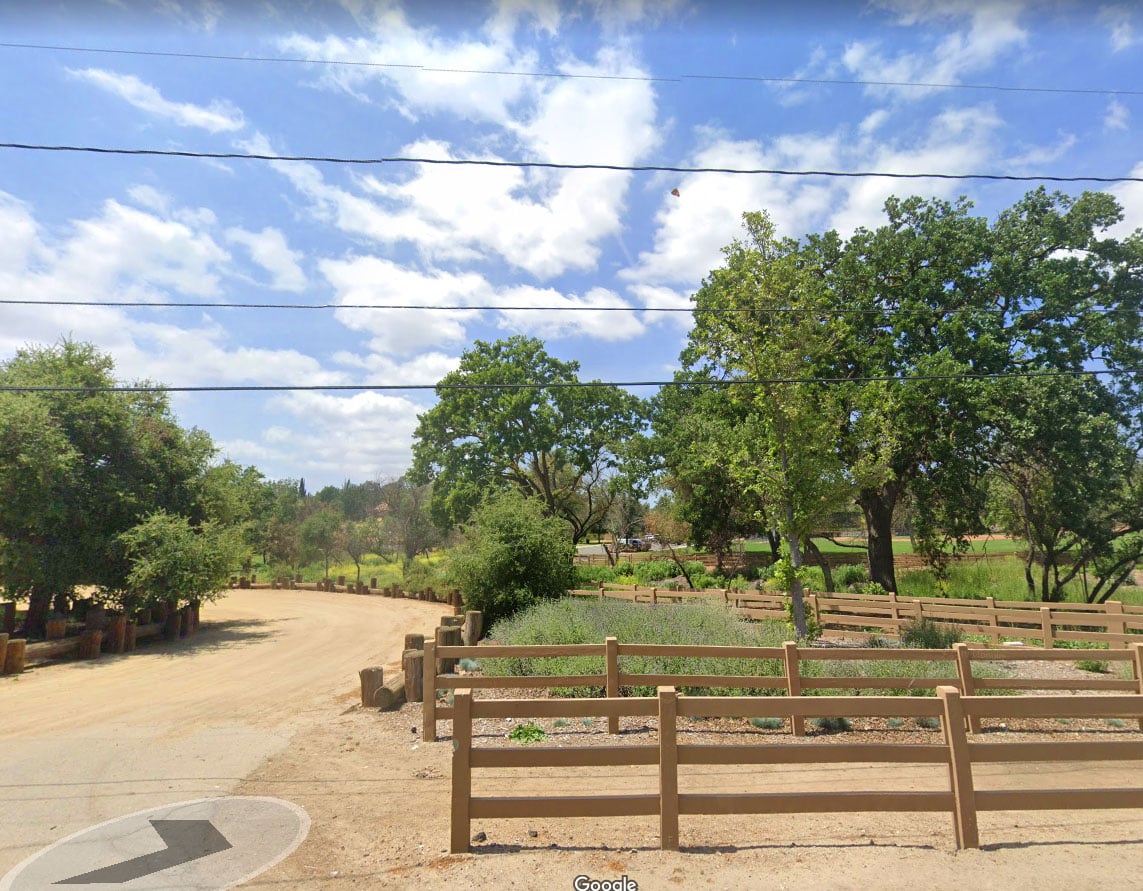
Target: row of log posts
x,y
453,631
11,654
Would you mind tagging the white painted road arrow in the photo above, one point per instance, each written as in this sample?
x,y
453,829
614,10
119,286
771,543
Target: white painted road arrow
x,y
214,843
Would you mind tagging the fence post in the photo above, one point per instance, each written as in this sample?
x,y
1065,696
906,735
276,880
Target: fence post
x,y
1114,612
960,769
429,692
894,609
813,598
654,595
1138,666
1046,627
993,622
3,649
918,609
964,675
611,655
668,770
794,684
461,770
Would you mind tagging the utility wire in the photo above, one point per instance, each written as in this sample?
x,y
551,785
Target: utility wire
x,y
676,78
552,165
563,385
428,307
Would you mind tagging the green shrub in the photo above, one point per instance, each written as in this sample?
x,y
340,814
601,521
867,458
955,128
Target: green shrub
x,y
896,723
927,723
926,635
527,733
851,574
512,556
767,723
831,724
876,641
573,620
1093,665
469,665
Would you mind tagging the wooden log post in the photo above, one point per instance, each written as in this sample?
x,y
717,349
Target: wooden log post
x,y
95,619
130,631
668,770
1116,624
115,635
341,581
611,660
3,649
55,629
413,664
461,810
172,625
1046,627
794,684
960,769
372,680
14,656
414,641
993,622
473,627
452,621
447,636
964,675
8,617
1137,667
89,644
429,693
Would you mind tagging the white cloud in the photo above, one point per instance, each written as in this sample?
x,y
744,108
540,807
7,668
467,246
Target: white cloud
x,y
993,29
1119,21
269,250
1117,117
220,116
402,332
605,325
370,432
1130,197
692,228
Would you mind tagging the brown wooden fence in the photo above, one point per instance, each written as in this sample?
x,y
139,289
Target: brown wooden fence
x,y
846,614
957,755
790,657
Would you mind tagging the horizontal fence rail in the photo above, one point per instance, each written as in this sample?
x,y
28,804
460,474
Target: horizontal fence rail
x,y
846,614
789,658
956,755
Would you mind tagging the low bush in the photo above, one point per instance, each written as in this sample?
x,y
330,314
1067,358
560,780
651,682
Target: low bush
x,y
767,723
572,620
832,724
925,635
1093,665
851,574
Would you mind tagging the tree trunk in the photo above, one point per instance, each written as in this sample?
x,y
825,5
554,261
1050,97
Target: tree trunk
x,y
797,601
815,552
36,619
877,508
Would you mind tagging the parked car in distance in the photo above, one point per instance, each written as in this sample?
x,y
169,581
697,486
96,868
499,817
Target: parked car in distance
x,y
634,544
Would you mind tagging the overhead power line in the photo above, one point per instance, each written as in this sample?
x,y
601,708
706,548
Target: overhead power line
x,y
494,72
553,165
489,307
561,385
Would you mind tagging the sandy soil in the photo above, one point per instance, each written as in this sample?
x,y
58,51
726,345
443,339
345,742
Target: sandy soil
x,y
82,742
379,797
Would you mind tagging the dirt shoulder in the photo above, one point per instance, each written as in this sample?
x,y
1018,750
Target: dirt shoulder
x,y
379,800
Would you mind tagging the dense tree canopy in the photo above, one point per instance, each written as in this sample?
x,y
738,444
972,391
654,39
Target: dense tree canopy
x,y
926,334
557,443
77,469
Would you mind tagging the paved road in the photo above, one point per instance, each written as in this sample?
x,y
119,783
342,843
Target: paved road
x,y
87,741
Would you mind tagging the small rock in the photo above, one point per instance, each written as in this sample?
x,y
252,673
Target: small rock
x,y
413,729
532,833
480,837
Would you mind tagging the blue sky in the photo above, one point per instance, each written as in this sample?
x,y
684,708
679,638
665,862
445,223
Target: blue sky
x,y
654,83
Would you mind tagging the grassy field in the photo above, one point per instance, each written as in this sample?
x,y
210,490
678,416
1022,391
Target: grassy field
x,y
901,545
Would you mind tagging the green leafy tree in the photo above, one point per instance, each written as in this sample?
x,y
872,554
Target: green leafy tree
x,y
77,469
512,556
782,447
174,561
359,537
406,525
558,443
320,532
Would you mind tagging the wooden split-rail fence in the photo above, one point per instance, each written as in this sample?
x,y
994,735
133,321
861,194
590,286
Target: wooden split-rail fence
x,y
843,614
792,682
957,755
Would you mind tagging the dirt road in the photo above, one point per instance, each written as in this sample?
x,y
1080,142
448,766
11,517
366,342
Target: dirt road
x,y
87,741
